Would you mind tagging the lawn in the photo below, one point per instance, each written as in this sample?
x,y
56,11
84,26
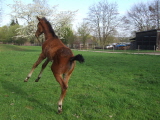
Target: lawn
x,y
106,87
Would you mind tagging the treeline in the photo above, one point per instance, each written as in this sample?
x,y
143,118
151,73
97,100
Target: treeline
x,y
103,25
8,34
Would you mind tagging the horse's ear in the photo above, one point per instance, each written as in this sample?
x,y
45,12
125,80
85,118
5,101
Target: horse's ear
x,y
38,18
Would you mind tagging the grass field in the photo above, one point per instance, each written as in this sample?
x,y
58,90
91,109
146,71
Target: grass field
x,y
106,87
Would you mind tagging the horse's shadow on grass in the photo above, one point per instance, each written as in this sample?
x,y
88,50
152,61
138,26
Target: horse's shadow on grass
x,y
8,86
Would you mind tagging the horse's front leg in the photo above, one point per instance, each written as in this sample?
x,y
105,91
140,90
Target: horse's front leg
x,y
40,59
43,67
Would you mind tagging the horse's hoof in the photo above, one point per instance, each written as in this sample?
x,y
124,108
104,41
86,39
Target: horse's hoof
x,y
59,111
36,80
25,80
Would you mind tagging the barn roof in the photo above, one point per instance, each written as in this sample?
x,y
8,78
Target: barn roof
x,y
148,31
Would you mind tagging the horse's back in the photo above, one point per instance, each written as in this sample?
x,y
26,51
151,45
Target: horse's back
x,y
51,46
65,52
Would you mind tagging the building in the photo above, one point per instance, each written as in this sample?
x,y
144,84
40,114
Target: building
x,y
146,40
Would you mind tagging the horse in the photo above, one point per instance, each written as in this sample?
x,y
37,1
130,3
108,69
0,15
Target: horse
x,y
63,60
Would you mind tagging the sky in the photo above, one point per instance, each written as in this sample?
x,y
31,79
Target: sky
x,y
64,5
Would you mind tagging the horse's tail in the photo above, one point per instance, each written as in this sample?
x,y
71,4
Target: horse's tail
x,y
78,58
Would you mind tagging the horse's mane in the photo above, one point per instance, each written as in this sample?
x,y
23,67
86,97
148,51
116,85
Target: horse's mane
x,y
49,26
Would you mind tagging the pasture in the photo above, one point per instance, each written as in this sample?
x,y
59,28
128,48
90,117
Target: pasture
x,y
106,87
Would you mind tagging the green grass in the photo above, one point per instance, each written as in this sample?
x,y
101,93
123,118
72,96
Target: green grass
x,y
106,87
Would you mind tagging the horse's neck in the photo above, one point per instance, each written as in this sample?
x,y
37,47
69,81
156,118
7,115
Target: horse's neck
x,y
48,33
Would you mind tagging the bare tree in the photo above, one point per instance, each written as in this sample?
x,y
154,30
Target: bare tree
x,y
84,32
154,8
103,18
143,16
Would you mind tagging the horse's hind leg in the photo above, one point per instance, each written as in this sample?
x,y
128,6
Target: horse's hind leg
x,y
66,79
40,59
43,67
63,90
64,85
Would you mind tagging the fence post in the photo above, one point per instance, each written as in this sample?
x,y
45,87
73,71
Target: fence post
x,y
154,49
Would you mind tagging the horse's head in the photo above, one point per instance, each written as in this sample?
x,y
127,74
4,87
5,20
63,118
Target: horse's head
x,y
45,27
39,28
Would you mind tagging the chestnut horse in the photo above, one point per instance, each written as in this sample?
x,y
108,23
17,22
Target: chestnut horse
x,y
54,50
